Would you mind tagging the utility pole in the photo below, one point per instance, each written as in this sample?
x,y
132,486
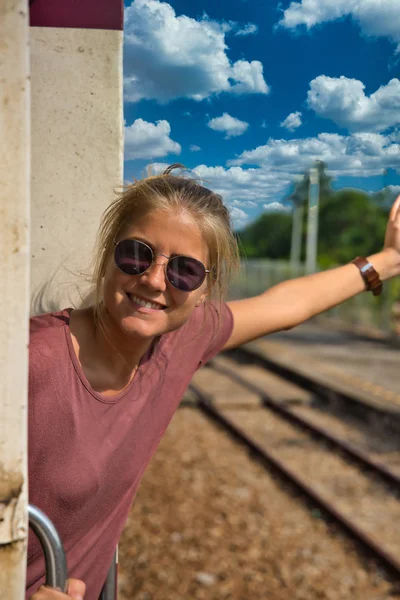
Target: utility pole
x,y
312,227
295,251
297,225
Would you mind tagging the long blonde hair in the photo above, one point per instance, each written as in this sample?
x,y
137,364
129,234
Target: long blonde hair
x,y
174,193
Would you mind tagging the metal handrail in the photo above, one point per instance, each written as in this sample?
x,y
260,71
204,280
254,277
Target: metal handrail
x,y
109,590
54,556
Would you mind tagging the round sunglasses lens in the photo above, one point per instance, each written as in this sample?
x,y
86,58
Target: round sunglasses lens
x,y
132,257
186,273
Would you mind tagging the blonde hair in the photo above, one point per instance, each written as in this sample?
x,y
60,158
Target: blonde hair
x,y
174,193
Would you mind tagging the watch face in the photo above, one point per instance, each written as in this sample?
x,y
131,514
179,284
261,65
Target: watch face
x,y
366,268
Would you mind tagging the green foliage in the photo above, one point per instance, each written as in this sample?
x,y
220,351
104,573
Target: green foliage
x,y
269,236
351,223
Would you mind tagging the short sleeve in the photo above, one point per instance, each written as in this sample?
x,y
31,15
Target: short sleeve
x,y
220,320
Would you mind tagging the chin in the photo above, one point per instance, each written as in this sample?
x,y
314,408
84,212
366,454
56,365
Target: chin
x,y
134,327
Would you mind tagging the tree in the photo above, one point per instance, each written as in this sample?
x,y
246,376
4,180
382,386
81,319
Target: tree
x,y
268,237
350,224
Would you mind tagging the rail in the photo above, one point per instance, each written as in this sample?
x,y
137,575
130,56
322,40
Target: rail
x,y
206,403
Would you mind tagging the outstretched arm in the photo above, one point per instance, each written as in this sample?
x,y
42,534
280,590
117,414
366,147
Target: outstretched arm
x,y
292,302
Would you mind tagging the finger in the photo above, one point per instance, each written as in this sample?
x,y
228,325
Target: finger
x,y
394,209
76,588
48,593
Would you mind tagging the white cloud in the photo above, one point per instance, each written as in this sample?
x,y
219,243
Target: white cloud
x,y
168,56
248,203
230,125
375,17
276,207
243,187
248,29
344,101
149,140
274,166
394,189
359,154
156,168
292,121
239,217
240,188
194,148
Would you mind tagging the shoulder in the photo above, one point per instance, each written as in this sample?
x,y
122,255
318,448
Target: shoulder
x,y
207,319
208,329
45,331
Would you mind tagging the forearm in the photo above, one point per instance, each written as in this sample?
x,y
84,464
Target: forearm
x,y
316,293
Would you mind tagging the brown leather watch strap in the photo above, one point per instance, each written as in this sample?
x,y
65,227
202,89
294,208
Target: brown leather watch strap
x,y
370,276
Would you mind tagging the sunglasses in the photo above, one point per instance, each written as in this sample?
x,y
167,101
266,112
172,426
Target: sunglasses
x,y
185,273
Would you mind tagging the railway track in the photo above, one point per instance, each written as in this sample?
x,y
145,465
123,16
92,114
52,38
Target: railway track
x,y
329,384
288,431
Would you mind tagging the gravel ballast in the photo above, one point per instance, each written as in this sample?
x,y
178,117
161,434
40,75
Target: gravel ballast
x,y
210,523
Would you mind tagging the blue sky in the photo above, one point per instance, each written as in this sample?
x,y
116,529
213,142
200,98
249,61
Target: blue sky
x,y
249,93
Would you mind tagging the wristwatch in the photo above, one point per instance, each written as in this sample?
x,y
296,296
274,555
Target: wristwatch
x,y
372,280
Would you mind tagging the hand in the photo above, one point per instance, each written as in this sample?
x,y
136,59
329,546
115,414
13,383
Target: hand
x,y
76,590
392,237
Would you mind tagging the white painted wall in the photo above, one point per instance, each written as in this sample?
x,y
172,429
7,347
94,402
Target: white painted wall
x,y
77,152
14,297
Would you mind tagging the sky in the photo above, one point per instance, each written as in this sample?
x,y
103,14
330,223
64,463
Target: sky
x,y
248,94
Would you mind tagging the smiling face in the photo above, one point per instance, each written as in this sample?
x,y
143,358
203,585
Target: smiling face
x,y
148,305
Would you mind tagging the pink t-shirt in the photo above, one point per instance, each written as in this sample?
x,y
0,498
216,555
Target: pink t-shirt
x,y
87,453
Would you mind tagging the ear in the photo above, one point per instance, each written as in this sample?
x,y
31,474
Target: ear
x,y
202,298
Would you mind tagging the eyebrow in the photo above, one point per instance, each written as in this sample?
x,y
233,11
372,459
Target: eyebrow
x,y
140,238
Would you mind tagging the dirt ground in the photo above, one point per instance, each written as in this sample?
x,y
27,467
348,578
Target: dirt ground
x,y
209,523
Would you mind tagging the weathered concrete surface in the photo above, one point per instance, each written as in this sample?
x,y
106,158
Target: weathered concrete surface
x,y
77,153
14,297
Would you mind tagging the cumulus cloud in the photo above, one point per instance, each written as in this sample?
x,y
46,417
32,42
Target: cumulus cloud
x,y
276,207
394,189
239,217
248,203
262,176
168,56
194,148
241,187
343,100
374,17
230,125
248,29
359,154
292,121
149,140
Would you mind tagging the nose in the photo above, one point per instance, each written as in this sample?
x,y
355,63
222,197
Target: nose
x,y
155,277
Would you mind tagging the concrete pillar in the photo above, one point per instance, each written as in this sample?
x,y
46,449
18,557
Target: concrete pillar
x,y
77,140
14,297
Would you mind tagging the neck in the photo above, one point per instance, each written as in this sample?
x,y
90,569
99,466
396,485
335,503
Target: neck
x,y
121,352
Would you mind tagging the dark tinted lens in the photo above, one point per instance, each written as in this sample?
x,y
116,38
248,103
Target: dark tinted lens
x,y
132,257
186,273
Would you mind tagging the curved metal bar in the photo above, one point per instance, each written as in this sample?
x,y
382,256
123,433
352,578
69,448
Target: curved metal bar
x,y
109,590
54,555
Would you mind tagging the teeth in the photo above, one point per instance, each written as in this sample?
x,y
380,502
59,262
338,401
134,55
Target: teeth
x,y
144,303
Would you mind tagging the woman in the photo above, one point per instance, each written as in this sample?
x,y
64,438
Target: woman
x,y
105,381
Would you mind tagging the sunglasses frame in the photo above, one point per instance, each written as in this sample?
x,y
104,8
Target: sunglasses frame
x,y
206,271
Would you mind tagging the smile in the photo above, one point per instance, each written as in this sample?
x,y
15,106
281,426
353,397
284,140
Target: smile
x,y
145,303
